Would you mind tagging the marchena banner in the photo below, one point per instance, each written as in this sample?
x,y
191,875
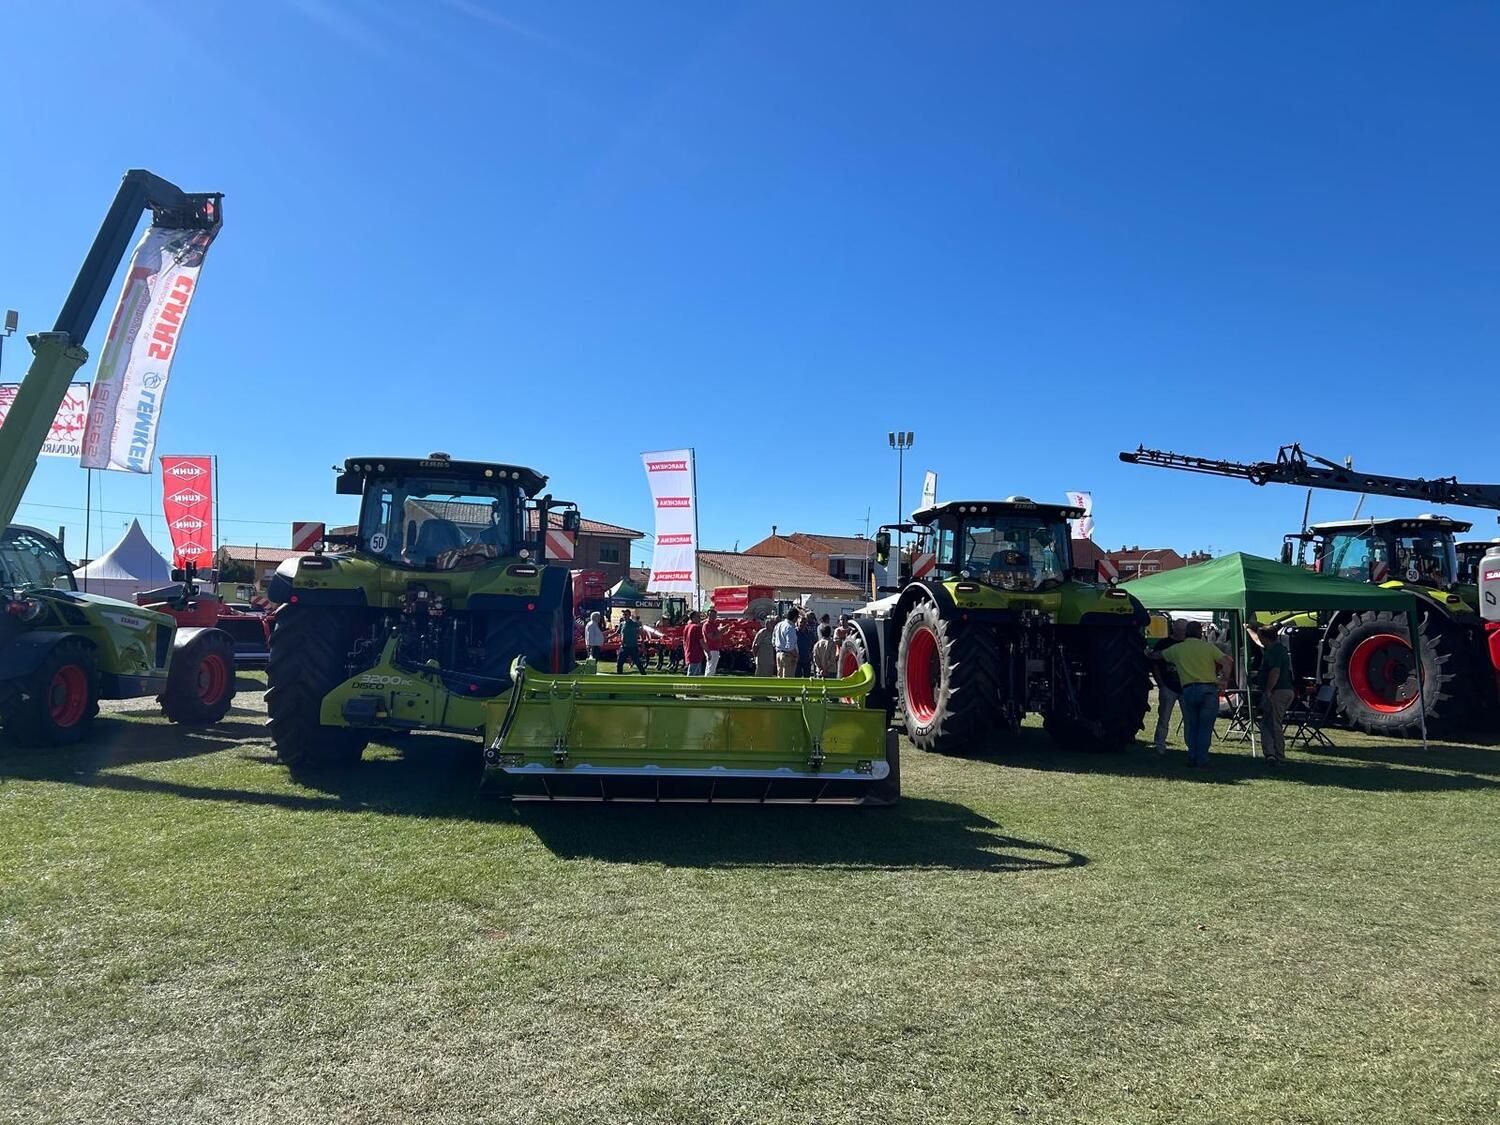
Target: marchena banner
x,y
674,563
1084,528
65,438
131,382
187,498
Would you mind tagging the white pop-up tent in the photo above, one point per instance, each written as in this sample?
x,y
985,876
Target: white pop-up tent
x,y
129,566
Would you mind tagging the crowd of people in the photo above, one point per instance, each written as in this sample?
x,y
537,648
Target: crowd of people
x,y
797,644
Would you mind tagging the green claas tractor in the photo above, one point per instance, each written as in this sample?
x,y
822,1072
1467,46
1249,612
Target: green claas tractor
x,y
1001,625
1368,655
444,615
61,651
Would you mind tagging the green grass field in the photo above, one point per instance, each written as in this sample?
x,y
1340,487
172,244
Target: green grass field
x,y
187,935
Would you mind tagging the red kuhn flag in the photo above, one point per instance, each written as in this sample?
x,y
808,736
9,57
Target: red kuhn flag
x,y
187,498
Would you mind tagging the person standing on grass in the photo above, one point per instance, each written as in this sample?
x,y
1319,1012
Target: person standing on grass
x,y
712,639
1276,691
630,643
785,639
1199,666
1168,687
764,647
807,636
692,646
825,655
593,635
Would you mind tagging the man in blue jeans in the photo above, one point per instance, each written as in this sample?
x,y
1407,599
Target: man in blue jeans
x,y
1199,666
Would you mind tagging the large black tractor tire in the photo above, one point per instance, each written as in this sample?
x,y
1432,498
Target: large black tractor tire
x,y
56,704
310,649
949,679
544,639
1112,696
861,646
200,685
1374,674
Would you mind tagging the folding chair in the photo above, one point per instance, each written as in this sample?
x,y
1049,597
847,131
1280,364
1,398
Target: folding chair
x,y
1307,718
1235,707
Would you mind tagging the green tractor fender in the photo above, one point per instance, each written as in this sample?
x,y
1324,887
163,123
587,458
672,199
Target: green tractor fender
x,y
23,654
322,580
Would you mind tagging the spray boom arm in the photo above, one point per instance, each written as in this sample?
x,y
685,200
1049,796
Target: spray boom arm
x,y
1294,466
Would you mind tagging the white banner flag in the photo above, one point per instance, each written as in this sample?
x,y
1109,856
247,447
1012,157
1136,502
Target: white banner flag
x,y
929,489
1084,528
65,438
674,562
125,409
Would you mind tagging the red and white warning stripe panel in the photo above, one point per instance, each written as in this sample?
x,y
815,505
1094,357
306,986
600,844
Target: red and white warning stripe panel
x,y
923,565
1107,571
559,545
306,536
1380,571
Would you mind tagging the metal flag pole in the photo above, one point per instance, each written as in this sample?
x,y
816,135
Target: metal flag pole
x,y
693,470
88,523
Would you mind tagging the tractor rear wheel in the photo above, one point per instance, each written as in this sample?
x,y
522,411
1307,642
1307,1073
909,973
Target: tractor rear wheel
x,y
56,704
949,679
310,649
1374,674
1112,696
200,685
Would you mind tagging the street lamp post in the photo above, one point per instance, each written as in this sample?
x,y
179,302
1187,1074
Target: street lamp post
x,y
900,441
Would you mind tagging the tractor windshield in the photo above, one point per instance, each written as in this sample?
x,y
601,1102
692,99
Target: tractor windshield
x,y
1358,556
1427,559
1016,553
32,562
439,523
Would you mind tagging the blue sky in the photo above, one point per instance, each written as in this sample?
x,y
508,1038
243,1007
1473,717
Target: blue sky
x,y
563,234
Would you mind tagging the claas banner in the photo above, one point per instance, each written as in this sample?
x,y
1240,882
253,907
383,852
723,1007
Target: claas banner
x,y
131,383
188,501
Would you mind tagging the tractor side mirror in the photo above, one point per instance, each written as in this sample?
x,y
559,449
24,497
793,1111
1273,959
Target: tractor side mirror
x,y
179,574
1286,552
883,547
348,484
571,520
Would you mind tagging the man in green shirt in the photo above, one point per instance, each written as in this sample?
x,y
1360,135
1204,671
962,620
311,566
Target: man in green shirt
x,y
1277,690
630,644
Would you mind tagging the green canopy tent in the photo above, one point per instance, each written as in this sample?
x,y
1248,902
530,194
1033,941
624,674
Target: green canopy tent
x,y
1248,584
624,592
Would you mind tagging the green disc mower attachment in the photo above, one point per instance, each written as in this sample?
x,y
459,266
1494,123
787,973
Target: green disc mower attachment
x,y
698,739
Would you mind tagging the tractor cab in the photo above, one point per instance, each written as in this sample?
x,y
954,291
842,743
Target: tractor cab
x,y
1013,544
1470,553
32,560
1419,550
435,513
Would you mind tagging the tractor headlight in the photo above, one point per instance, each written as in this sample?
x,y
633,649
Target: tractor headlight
x,y
26,609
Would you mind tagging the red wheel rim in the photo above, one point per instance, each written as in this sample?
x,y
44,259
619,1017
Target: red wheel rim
x,y
1380,672
67,695
213,678
921,675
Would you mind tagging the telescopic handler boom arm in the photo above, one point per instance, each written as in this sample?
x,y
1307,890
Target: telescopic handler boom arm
x,y
57,355
1294,466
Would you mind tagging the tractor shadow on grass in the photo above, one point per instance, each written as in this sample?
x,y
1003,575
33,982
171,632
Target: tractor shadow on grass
x,y
438,776
1380,768
112,742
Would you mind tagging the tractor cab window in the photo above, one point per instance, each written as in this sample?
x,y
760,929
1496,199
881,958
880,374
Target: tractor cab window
x,y
1016,553
1357,556
440,524
1427,560
32,562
